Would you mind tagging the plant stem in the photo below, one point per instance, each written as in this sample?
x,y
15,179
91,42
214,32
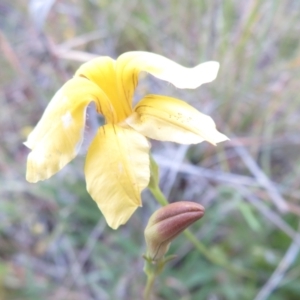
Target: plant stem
x,y
152,269
149,286
158,195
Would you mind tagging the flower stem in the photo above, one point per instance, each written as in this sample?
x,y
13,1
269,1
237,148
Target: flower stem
x,y
158,195
149,286
152,269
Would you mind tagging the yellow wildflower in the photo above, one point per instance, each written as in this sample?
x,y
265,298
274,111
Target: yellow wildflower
x,y
117,162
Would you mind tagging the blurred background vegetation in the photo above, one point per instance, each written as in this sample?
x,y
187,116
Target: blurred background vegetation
x,y
54,242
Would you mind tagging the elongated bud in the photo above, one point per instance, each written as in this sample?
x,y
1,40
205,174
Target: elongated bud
x,y
167,223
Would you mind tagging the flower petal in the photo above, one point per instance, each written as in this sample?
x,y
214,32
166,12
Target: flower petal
x,y
101,71
58,136
117,170
130,64
169,119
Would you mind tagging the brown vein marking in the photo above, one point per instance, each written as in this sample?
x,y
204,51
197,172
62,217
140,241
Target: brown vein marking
x,y
100,107
82,76
114,129
111,110
134,78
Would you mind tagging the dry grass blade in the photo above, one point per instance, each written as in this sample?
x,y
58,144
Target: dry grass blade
x,y
214,175
262,178
9,53
73,54
171,176
82,40
278,275
270,215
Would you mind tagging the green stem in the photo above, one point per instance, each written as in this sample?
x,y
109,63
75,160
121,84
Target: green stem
x,y
152,269
149,286
159,196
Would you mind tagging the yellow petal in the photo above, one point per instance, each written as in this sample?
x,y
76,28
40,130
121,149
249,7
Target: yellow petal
x,y
101,71
58,136
130,64
168,119
117,170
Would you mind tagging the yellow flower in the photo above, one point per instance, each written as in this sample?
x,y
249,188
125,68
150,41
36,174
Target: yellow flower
x,y
117,162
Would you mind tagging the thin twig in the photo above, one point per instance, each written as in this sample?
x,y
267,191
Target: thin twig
x,y
73,54
171,176
215,175
270,215
262,178
75,268
91,242
278,274
83,39
40,266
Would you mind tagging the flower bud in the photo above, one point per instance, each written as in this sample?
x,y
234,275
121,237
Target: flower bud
x,y
168,222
